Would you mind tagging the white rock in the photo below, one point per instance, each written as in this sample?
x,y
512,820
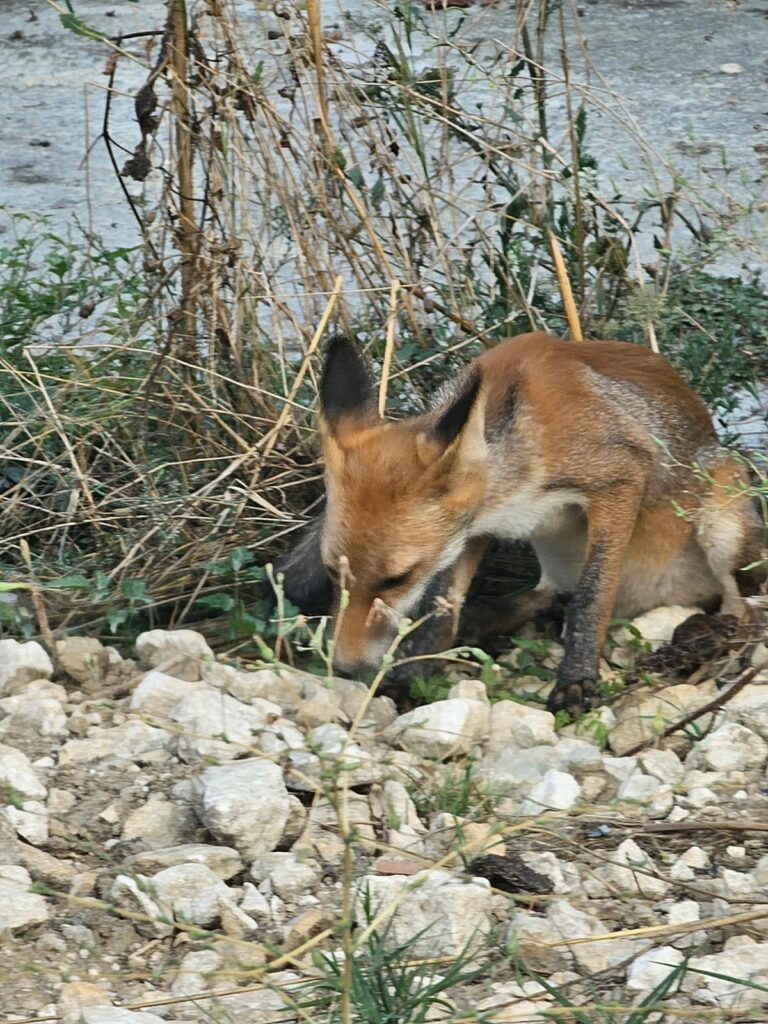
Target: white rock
x,y
577,754
745,963
30,821
178,652
472,689
701,796
22,662
630,871
651,968
404,830
433,912
730,747
131,894
645,789
189,892
512,769
41,719
520,725
288,874
281,686
246,804
540,940
195,975
18,775
642,716
736,885
215,726
336,749
117,1015
18,906
556,791
131,741
159,823
262,1005
731,68
655,627
223,861
443,729
158,693
684,912
662,764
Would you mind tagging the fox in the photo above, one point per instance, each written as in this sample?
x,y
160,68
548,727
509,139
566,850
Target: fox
x,y
595,452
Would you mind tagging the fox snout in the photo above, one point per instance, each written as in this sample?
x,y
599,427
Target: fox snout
x,y
363,636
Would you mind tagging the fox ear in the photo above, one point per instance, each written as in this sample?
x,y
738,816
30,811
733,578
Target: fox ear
x,y
456,420
346,389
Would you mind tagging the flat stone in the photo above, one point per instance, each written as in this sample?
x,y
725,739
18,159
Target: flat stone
x,y
215,726
157,693
731,747
223,861
131,741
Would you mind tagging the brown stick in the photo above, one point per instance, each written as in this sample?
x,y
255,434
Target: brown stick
x,y
186,236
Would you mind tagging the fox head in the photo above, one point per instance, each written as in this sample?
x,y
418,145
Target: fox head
x,y
401,496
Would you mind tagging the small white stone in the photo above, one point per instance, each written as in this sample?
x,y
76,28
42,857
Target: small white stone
x,y
179,652
436,914
189,892
649,969
556,791
515,724
22,662
18,775
158,693
731,68
131,741
30,821
737,852
443,729
215,726
18,906
730,747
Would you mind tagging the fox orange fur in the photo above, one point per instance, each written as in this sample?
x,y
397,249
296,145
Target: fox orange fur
x,y
588,450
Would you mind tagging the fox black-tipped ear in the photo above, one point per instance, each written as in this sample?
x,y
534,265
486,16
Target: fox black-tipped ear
x,y
454,418
346,388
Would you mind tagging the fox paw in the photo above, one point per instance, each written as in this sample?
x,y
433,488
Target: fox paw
x,y
574,697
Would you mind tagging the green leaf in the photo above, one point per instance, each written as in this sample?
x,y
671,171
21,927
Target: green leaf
x,y
4,587
217,602
135,590
79,27
75,581
115,618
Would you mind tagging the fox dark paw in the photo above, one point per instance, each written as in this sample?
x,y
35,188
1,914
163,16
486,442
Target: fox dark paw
x,y
574,697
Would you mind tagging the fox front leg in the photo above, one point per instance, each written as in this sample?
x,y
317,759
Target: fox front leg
x,y
610,526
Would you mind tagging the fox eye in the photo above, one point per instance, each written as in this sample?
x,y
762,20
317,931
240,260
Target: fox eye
x,y
391,582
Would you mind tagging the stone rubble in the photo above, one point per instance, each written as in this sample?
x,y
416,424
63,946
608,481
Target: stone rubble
x,y
216,810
